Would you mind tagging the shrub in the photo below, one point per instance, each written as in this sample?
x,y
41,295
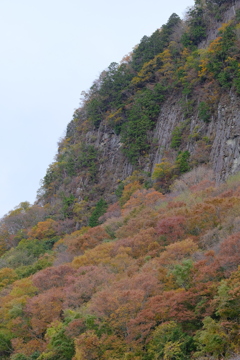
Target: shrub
x,y
204,111
99,210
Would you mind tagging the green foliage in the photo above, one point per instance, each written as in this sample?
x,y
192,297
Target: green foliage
x,y
40,264
95,110
99,210
119,298
141,119
87,158
34,356
238,15
5,342
155,44
197,28
67,206
182,161
108,91
182,273
204,111
222,62
176,138
19,357
36,247
49,177
164,174
211,340
81,157
113,83
61,344
70,166
25,256
170,342
119,190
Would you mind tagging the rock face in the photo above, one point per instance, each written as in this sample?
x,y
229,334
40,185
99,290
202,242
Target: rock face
x,y
215,25
214,140
223,130
225,154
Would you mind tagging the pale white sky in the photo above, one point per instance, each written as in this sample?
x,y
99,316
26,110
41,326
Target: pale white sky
x,y
52,50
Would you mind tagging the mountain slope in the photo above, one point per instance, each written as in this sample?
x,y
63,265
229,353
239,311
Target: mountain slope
x,y
169,95
131,250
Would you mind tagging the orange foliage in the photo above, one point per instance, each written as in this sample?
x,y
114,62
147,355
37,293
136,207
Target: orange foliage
x,y
113,211
7,276
44,229
229,254
144,242
89,347
86,282
44,309
77,244
29,347
150,198
99,255
129,189
178,251
171,229
143,218
52,277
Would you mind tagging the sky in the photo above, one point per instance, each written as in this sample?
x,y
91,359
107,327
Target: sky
x,y
51,51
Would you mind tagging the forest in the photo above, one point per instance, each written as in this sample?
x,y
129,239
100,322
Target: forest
x,y
139,263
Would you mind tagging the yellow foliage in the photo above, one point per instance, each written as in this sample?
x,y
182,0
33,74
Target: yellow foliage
x,y
147,70
100,254
167,68
215,45
7,276
44,229
164,169
128,191
224,26
178,251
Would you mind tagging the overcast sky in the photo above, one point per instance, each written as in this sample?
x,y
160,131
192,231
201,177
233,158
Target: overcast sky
x,y
52,50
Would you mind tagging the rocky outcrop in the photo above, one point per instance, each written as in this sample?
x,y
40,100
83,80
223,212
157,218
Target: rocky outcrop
x,y
223,130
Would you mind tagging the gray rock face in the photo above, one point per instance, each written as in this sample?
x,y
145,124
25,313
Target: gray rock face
x,y
223,129
225,154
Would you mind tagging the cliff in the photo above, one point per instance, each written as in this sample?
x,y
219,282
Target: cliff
x,y
177,92
132,248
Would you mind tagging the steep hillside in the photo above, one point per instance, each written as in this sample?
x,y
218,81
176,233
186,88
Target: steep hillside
x,y
174,96
131,250
159,279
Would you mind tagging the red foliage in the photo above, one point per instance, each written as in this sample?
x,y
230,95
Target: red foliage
x,y
44,308
78,244
142,220
144,197
75,328
176,252
118,307
178,305
146,282
176,204
229,254
171,229
86,281
113,210
53,277
207,269
143,243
